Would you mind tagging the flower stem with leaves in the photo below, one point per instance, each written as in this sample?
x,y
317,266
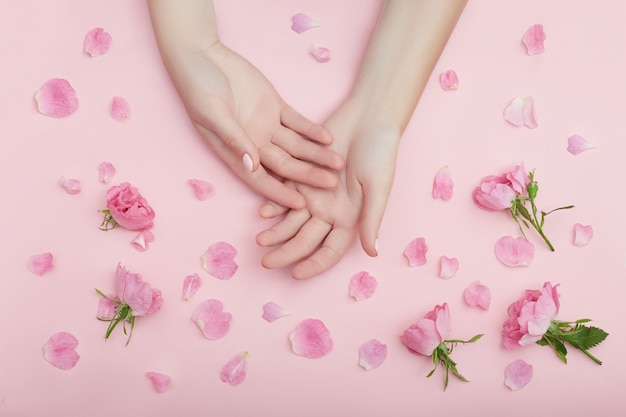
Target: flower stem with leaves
x,y
122,314
576,333
441,356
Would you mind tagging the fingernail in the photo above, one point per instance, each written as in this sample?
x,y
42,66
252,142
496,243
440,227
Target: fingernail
x,y
376,246
247,162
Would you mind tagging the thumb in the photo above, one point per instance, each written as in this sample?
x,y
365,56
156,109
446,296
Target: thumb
x,y
375,196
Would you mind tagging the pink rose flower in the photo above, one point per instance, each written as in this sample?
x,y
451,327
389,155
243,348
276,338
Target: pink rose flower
x,y
429,332
128,208
518,179
494,193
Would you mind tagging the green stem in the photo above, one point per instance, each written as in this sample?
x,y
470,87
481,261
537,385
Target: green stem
x,y
538,228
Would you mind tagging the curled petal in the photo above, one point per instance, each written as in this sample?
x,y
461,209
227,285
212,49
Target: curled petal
x,y
415,252
71,186
160,382
219,260
443,185
477,294
362,286
107,307
372,354
517,374
448,267
120,109
449,80
235,370
577,144
60,350
514,252
97,42
301,22
106,172
142,241
132,290
40,263
582,235
273,311
533,40
56,98
157,302
212,320
191,285
311,339
202,189
521,112
320,54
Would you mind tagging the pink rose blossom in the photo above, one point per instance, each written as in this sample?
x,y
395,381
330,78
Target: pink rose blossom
x,y
60,350
448,80
494,193
533,40
160,382
235,370
273,311
448,267
518,178
302,22
106,172
129,209
71,186
517,374
134,292
521,112
362,285
202,189
120,109
191,285
56,98
97,42
40,263
211,319
514,252
415,252
219,260
372,354
582,235
577,144
477,294
320,54
443,185
311,339
429,332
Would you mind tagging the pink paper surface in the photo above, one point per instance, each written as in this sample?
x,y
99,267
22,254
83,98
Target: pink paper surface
x,y
578,85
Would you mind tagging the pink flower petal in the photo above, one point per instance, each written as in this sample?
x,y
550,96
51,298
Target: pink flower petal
x,y
533,40
40,263
191,285
106,172
160,382
319,53
120,109
132,290
521,112
449,80
219,260
107,307
443,184
582,235
71,186
203,189
301,22
448,267
212,320
56,98
477,294
517,374
142,241
372,354
157,302
60,350
311,339
514,252
273,311
577,144
97,42
362,286
415,252
235,370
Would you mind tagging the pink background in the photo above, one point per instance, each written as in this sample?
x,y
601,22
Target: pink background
x,y
578,86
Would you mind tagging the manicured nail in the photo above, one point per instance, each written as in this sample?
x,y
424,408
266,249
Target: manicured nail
x,y
376,246
247,162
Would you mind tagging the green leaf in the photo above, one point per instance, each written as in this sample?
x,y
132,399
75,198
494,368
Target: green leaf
x,y
585,337
523,211
560,349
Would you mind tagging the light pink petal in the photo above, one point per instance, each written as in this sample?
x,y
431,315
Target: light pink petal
x,y
577,144
443,184
106,307
191,285
219,260
235,370
372,354
517,374
301,22
362,286
157,302
320,54
514,252
160,382
311,339
142,241
448,267
120,109
56,98
71,186
477,294
132,290
273,311
106,172
449,80
97,42
582,235
60,350
212,320
533,39
40,263
203,189
521,112
415,252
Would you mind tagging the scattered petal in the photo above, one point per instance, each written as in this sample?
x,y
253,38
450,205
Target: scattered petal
x,y
203,189
142,240
106,172
448,267
71,186
362,286
191,285
372,354
443,185
235,370
311,339
273,311
582,235
415,252
301,22
514,252
577,144
40,263
160,382
107,307
219,260
120,110
449,80
517,374
212,320
56,98
533,40
521,112
477,294
60,350
97,42
319,53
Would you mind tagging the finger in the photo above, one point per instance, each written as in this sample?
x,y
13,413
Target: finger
x,y
335,245
270,209
284,229
300,124
375,196
284,165
298,147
